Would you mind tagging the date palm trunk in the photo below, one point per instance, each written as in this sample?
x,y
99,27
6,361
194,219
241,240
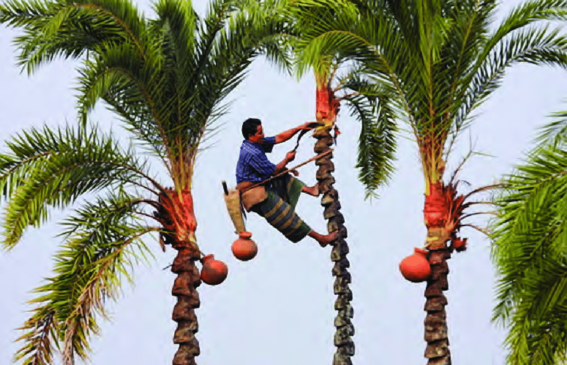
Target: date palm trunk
x,y
327,107
436,330
185,289
441,210
177,216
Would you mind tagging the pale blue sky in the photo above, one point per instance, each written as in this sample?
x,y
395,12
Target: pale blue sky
x,y
278,308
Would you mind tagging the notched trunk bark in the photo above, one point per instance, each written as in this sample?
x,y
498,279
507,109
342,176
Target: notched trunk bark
x,y
185,289
440,213
436,330
326,111
177,217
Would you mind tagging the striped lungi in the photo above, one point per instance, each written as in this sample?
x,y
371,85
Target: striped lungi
x,y
279,208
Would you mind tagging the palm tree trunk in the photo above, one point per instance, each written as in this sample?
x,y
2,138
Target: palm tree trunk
x,y
326,110
184,288
437,350
177,217
439,211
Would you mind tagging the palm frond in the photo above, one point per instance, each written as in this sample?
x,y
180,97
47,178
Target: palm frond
x,y
78,162
40,338
166,77
525,14
554,132
70,28
133,90
312,45
102,245
374,105
535,46
530,241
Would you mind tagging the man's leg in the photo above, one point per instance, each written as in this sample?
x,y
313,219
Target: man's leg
x,y
290,188
282,217
311,190
323,240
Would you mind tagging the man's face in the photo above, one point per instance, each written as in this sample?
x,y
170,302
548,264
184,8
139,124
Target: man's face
x,y
258,137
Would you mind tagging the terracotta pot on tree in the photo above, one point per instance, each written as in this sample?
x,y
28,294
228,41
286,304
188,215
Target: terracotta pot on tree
x,y
416,268
214,271
244,248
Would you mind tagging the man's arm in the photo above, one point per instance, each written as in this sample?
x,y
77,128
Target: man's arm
x,y
284,136
281,166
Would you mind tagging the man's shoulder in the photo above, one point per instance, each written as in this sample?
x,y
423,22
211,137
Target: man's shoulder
x,y
268,144
269,140
247,149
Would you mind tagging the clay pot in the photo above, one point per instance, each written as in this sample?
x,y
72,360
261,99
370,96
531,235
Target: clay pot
x,y
244,248
416,268
214,271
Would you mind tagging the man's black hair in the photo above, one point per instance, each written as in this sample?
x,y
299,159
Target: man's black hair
x,y
250,127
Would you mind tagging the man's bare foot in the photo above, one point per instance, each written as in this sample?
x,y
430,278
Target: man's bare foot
x,y
324,240
313,190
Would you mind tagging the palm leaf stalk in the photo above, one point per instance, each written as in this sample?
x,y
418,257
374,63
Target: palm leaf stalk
x,y
166,79
431,63
530,236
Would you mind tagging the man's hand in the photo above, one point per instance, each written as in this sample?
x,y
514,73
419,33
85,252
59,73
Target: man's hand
x,y
290,156
284,136
308,125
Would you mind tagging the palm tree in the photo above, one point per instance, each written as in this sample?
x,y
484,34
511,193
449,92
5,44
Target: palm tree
x,y
530,254
431,63
166,79
333,74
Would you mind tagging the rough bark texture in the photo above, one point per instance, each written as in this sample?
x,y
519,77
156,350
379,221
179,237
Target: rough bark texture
x,y
184,288
177,216
437,350
442,212
326,110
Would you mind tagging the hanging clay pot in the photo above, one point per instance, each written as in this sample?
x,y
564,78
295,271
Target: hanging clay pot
x,y
244,248
416,268
214,271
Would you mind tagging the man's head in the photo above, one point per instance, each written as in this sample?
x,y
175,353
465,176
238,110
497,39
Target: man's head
x,y
252,130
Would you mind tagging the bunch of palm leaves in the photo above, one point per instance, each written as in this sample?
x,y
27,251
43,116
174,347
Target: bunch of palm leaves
x,y
530,246
166,79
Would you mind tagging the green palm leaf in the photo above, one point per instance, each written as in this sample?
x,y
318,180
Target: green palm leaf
x,y
70,28
530,241
439,57
102,245
553,132
374,105
76,164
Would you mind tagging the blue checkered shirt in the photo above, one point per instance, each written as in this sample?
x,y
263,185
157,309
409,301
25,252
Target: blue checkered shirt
x,y
253,165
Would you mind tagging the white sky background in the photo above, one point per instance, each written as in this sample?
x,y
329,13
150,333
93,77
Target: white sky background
x,y
278,308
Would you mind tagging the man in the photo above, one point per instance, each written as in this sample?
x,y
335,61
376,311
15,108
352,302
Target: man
x,y
276,200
